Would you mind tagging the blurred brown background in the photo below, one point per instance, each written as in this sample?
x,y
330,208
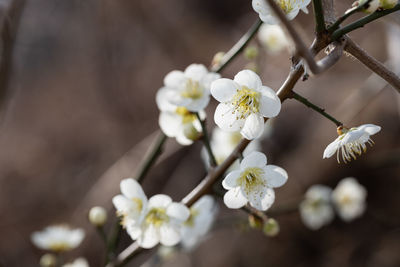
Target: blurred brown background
x,y
78,113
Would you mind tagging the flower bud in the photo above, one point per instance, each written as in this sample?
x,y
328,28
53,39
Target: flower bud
x,y
97,216
217,59
387,4
251,52
255,222
271,227
371,7
48,260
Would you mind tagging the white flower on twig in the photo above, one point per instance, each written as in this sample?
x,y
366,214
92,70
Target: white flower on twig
x,y
349,198
273,38
316,208
289,7
351,142
253,183
244,104
58,238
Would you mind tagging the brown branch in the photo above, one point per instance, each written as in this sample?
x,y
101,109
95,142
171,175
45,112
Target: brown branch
x,y
373,64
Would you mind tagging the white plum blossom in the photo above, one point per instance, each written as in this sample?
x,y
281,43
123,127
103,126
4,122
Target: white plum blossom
x,y
202,216
189,89
316,209
349,198
79,262
253,183
244,104
58,238
289,7
273,38
153,221
351,142
223,143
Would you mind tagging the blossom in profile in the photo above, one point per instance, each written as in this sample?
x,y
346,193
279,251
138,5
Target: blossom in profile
x,y
253,183
224,142
349,198
351,142
244,104
79,262
316,209
273,38
289,7
58,238
189,89
202,216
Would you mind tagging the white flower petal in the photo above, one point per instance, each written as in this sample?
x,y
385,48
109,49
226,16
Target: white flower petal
x,y
253,126
371,129
331,148
196,71
304,9
225,118
178,211
132,189
149,238
249,79
275,176
162,99
234,198
174,79
159,201
291,15
198,104
254,159
133,230
224,89
170,123
183,140
262,201
209,78
230,180
270,104
169,235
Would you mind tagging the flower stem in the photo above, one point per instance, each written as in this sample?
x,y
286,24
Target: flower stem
x,y
238,47
206,141
363,21
319,17
152,155
315,107
113,241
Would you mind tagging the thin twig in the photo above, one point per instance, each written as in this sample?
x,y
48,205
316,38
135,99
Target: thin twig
x,y
321,111
319,17
206,141
373,64
238,47
363,21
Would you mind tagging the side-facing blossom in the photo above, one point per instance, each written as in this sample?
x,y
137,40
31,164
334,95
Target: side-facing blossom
x,y
349,198
351,142
273,38
244,104
371,7
316,208
202,216
289,7
79,262
153,221
189,89
58,238
253,183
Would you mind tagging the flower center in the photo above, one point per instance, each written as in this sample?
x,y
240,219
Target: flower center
x,y
250,179
235,138
285,5
193,214
192,90
156,217
186,115
59,246
345,200
245,102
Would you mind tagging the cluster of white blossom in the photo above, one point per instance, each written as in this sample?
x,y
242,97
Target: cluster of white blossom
x,y
159,219
289,7
348,199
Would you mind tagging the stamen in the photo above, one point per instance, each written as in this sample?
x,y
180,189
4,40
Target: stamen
x,y
245,102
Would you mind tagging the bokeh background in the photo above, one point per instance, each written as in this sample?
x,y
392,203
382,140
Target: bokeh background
x,y
78,81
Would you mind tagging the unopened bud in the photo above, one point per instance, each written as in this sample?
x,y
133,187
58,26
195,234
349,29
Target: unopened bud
x,y
369,8
97,216
251,52
388,4
271,227
255,222
48,260
217,59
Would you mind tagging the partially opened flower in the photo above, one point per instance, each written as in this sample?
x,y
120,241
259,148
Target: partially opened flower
x,y
79,262
370,7
161,223
253,183
131,205
273,38
349,198
289,7
189,89
202,215
351,142
58,238
244,104
316,208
